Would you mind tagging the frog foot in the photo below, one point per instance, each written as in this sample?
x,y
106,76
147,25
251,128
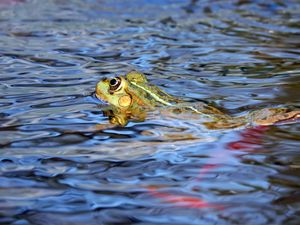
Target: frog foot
x,y
275,116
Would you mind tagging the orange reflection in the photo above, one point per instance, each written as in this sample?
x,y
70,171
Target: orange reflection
x,y
251,139
182,200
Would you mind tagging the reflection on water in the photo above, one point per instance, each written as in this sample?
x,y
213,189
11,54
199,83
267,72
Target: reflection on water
x,y
56,168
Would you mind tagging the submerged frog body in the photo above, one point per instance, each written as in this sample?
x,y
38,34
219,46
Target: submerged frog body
x,y
131,97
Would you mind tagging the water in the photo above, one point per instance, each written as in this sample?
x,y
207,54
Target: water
x,y
55,168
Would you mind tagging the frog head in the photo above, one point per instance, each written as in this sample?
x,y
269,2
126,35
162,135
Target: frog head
x,y
131,96
132,90
114,91
124,92
127,95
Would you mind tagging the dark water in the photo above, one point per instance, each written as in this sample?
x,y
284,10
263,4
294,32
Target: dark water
x,y
56,169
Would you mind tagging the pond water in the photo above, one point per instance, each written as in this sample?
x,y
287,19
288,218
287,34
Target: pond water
x,y
56,169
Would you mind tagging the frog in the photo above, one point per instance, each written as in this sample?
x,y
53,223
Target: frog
x,y
131,97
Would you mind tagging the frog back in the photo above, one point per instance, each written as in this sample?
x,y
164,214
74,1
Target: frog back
x,y
148,93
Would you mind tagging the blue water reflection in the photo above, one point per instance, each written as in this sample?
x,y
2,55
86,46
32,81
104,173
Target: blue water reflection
x,y
56,168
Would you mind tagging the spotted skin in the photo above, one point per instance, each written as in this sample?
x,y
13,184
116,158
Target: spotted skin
x,y
132,96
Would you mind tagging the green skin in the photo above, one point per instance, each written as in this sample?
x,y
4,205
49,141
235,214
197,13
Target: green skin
x,y
134,96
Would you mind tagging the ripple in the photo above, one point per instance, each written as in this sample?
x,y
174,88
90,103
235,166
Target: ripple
x,y
62,162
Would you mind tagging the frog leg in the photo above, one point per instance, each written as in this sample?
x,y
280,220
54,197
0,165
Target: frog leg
x,y
271,116
226,122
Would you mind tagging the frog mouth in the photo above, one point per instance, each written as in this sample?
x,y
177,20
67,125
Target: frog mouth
x,y
99,92
100,97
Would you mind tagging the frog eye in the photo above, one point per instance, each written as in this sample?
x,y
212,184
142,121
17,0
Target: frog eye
x,y
115,83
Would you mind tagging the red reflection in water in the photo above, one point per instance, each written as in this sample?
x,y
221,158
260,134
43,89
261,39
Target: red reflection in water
x,y
182,200
251,139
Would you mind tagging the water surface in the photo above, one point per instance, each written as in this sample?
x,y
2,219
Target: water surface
x,y
56,169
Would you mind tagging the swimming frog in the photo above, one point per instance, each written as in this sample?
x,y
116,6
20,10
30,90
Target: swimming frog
x,y
132,97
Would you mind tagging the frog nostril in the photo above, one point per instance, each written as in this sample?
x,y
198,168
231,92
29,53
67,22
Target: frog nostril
x,y
104,79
